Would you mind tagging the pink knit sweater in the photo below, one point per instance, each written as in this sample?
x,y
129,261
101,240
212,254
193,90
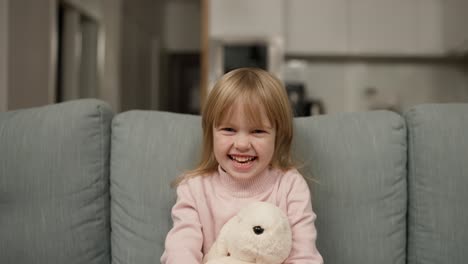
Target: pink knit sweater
x,y
205,204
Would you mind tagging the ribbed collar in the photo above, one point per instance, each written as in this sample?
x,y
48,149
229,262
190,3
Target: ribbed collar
x,y
250,187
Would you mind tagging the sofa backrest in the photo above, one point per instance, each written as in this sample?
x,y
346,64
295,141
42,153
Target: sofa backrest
x,y
149,149
358,161
438,184
54,173
55,205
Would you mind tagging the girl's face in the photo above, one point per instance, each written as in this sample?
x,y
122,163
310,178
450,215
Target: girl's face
x,y
243,150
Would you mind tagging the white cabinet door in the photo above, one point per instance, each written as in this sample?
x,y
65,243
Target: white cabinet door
x,y
383,27
455,14
370,27
429,28
316,26
246,18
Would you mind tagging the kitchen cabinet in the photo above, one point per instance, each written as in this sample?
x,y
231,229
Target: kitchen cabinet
x,y
365,27
455,14
429,28
246,18
382,27
316,26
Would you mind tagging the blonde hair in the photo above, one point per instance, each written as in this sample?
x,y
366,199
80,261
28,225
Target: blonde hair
x,y
255,88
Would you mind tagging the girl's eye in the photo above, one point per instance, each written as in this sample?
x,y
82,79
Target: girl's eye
x,y
227,129
259,131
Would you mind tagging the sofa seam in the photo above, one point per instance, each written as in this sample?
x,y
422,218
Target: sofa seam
x,y
103,172
411,168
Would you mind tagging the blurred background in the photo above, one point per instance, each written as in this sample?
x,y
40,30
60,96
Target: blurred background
x,y
333,55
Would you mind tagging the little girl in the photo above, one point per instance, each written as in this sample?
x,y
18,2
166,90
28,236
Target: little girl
x,y
247,135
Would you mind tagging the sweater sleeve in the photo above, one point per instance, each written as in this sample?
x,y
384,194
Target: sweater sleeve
x,y
185,240
302,218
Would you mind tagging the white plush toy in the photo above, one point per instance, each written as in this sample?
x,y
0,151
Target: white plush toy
x,y
260,233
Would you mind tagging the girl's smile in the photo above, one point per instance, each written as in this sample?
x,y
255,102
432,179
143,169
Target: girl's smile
x,y
242,162
242,149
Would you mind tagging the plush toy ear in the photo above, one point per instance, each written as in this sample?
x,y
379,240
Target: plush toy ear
x,y
220,248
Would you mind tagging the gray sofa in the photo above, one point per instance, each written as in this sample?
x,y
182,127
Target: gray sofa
x,y
80,185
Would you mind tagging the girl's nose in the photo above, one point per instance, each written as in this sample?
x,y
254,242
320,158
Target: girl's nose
x,y
242,142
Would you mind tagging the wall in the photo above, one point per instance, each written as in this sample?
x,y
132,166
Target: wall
x,y
31,53
107,13
28,48
180,44
3,55
141,34
182,25
28,40
90,7
127,50
109,66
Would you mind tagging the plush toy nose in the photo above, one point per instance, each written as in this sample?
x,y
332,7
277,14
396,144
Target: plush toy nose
x,y
258,230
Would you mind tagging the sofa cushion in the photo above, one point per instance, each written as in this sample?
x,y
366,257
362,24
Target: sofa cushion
x,y
54,184
149,150
357,166
358,159
438,182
